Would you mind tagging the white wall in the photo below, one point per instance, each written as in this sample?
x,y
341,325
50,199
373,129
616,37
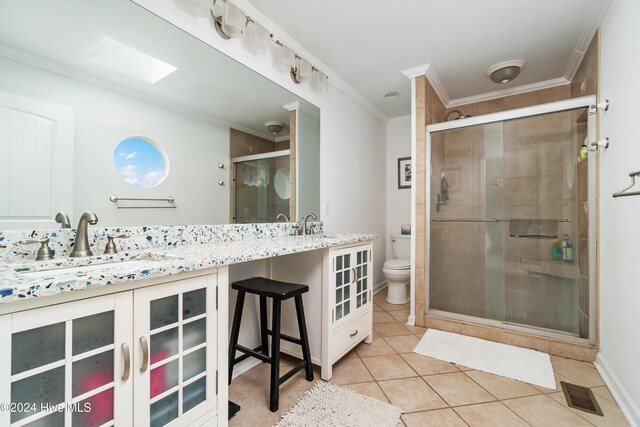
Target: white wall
x,y
398,200
103,119
352,139
619,357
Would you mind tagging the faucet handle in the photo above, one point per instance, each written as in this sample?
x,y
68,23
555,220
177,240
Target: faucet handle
x,y
110,247
44,253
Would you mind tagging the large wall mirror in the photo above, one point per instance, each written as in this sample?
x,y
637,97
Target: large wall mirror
x,y
106,107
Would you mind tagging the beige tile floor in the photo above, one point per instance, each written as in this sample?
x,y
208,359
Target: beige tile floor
x,y
430,392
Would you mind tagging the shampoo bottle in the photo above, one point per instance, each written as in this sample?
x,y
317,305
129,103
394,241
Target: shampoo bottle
x,y
556,250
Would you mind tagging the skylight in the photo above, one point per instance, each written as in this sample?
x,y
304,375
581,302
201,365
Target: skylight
x,y
129,61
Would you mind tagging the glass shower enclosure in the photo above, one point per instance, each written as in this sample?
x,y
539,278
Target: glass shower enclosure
x,y
512,219
261,187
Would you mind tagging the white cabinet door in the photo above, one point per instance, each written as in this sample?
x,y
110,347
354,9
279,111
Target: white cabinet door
x,y
175,353
351,283
341,284
363,275
66,364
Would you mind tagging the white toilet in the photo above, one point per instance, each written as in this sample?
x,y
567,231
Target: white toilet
x,y
398,270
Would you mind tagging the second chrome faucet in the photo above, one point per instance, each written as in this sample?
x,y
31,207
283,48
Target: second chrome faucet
x,y
304,229
81,244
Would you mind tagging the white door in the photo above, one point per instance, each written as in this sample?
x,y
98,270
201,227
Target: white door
x,y
36,162
175,358
67,364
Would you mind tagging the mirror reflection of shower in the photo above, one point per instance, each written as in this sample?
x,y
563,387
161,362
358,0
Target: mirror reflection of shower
x,y
443,196
261,187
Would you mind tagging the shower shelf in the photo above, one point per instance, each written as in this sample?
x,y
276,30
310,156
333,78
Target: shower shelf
x,y
551,268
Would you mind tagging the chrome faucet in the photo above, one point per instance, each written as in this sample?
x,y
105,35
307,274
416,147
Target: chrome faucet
x,y
63,219
81,244
304,230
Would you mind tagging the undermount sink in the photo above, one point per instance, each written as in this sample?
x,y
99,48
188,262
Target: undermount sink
x,y
46,271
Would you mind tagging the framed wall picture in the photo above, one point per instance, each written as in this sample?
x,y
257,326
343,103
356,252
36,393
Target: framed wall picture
x,y
404,172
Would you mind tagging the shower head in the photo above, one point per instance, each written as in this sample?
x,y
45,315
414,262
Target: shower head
x,y
460,115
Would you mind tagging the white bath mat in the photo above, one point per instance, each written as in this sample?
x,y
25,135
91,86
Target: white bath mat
x,y
509,361
331,405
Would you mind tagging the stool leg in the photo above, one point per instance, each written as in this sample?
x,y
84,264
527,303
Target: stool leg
x,y
302,326
235,330
264,337
275,357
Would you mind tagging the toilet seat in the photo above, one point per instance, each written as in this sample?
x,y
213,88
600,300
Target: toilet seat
x,y
397,264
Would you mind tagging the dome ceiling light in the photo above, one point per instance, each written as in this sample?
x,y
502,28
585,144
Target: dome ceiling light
x,y
274,127
506,71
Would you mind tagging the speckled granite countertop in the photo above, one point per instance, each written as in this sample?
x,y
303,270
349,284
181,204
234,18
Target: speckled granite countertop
x,y
29,279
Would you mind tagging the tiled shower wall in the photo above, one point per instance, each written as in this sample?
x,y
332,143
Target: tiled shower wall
x,y
429,110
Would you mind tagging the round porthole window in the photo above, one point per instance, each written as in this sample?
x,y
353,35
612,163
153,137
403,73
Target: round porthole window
x,y
140,163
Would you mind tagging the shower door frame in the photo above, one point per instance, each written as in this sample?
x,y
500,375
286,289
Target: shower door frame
x,y
248,158
536,110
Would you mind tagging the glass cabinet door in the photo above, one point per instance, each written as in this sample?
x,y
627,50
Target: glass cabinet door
x,y
174,328
63,363
342,280
351,281
363,279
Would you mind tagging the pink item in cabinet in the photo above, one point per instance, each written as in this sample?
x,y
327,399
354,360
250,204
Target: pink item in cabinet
x,y
100,409
157,381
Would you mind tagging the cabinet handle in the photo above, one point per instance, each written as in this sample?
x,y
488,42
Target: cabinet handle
x,y
145,354
355,275
353,334
127,362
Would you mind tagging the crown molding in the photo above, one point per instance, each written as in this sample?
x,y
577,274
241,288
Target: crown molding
x,y
420,70
292,106
437,85
83,77
507,92
400,120
429,72
595,17
287,40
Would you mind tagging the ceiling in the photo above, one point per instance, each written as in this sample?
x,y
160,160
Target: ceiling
x,y
369,43
58,34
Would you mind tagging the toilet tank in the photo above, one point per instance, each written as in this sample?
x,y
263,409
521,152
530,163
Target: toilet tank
x,y
401,245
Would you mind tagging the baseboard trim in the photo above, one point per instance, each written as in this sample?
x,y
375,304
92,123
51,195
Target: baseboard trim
x,y
244,366
379,287
628,407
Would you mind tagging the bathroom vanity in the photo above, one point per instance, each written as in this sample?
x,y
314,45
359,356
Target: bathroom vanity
x,y
90,334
